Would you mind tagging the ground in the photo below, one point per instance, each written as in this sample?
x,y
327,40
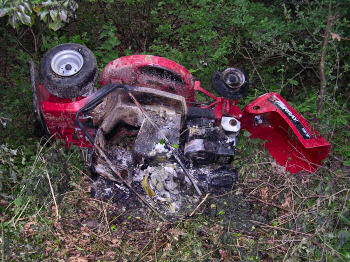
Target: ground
x,y
269,215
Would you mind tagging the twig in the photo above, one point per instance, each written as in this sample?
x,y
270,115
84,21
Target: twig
x,y
106,218
35,41
2,243
327,247
53,195
287,252
269,204
253,64
205,198
281,228
323,82
25,49
279,246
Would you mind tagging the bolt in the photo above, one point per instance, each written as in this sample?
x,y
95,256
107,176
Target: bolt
x,y
68,67
233,122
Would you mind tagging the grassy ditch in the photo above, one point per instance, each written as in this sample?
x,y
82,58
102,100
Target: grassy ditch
x,y
46,210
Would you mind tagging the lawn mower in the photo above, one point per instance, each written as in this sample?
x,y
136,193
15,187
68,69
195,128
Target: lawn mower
x,y
149,136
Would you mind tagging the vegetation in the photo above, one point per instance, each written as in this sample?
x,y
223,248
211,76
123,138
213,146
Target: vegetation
x,y
297,48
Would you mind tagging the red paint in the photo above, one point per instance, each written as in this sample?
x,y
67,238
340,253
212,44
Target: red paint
x,y
128,70
284,141
289,149
223,106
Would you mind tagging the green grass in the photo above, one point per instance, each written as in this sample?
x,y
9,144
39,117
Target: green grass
x,y
270,214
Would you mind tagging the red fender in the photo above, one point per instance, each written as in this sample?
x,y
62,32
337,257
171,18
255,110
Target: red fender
x,y
289,137
150,71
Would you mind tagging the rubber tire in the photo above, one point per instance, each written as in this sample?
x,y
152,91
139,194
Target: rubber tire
x,y
226,91
71,86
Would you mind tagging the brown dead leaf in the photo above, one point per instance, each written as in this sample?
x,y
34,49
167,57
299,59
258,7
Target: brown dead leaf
x,y
58,226
78,259
3,202
264,193
86,234
335,36
305,180
29,228
116,242
84,229
110,254
28,225
223,255
287,201
175,233
276,168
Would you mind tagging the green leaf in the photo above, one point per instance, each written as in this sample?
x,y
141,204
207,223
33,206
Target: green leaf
x,y
13,21
3,11
55,25
175,146
246,133
43,15
342,120
25,19
293,82
221,212
346,163
53,15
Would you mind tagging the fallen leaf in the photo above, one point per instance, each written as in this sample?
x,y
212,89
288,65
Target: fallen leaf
x,y
287,200
79,259
264,192
335,36
149,191
3,202
175,233
110,254
223,255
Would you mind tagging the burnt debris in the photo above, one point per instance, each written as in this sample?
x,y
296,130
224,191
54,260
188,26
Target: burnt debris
x,y
169,160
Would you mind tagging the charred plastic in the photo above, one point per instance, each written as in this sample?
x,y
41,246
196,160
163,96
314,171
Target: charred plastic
x,y
147,158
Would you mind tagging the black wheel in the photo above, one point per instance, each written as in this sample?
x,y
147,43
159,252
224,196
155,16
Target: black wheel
x,y
40,128
68,70
231,83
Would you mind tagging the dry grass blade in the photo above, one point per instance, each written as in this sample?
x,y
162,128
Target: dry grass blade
x,y
53,196
205,198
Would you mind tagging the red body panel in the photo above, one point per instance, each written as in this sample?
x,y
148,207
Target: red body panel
x,y
141,70
59,115
298,147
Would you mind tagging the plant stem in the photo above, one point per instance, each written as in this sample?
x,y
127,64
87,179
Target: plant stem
x,y
323,82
